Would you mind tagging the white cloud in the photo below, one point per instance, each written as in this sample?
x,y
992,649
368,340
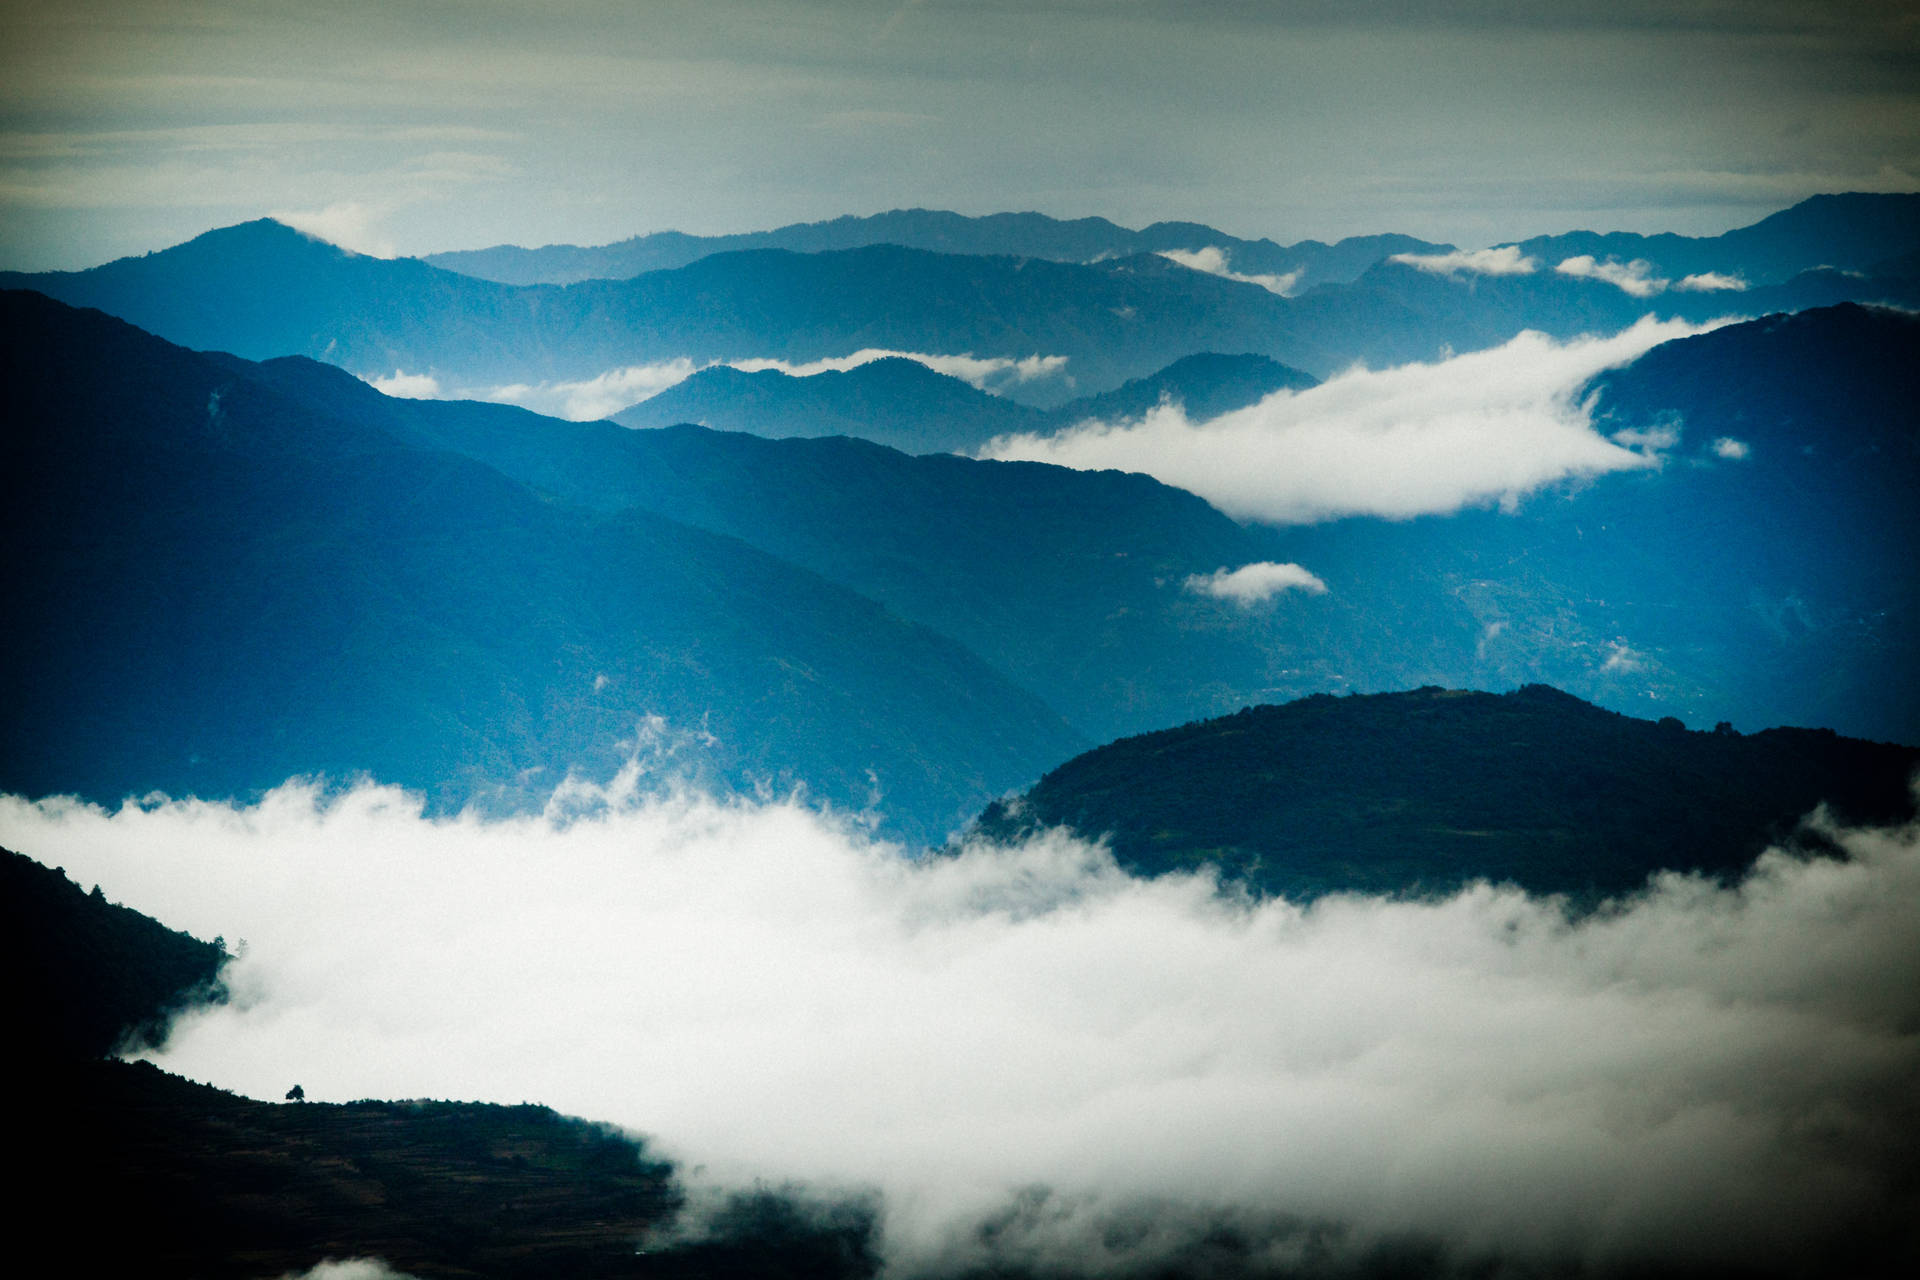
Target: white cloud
x,y
596,397
1730,449
407,386
1635,278
1703,1075
348,224
1709,282
1252,583
984,372
1504,261
352,1269
1214,262
582,401
1623,660
1418,439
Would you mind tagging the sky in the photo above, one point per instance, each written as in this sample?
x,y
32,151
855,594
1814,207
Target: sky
x,y
128,125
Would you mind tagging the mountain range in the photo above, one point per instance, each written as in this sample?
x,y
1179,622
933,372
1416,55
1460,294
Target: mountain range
x,y
236,572
261,290
905,404
1016,235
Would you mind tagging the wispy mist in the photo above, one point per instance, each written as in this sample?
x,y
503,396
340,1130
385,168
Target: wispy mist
x,y
985,372
1037,1060
1419,439
1215,261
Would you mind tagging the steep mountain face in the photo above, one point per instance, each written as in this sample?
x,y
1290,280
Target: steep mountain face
x,y
1018,235
1429,790
1849,232
220,584
907,406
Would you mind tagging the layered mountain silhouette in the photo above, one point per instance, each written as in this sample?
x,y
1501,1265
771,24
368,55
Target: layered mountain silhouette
x,y
1849,232
908,406
262,290
1018,235
234,573
1433,789
219,584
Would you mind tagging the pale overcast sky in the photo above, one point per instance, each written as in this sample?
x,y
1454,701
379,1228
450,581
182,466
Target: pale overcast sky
x,y
128,125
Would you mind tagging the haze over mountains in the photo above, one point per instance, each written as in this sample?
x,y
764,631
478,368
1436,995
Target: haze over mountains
x,y
601,761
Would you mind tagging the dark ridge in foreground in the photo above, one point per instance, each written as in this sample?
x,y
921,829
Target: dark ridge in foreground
x,y
200,1182
1432,789
85,975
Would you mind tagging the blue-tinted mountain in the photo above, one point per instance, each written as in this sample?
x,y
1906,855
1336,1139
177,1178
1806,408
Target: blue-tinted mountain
x,y
1849,232
1429,790
1764,580
218,583
262,290
907,406
896,402
1018,235
1205,385
1071,584
1660,591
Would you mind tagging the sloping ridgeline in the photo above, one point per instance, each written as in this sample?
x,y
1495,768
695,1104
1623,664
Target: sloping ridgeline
x,y
223,583
84,975
1431,789
191,1180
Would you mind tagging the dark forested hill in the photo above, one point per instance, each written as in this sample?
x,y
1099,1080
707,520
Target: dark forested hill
x,y
220,583
1428,790
84,975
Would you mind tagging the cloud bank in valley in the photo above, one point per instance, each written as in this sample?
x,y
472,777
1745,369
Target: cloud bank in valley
x,y
605,394
1414,440
1037,1060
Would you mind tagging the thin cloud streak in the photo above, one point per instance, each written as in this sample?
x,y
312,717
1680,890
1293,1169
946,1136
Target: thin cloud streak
x,y
1492,426
1700,1075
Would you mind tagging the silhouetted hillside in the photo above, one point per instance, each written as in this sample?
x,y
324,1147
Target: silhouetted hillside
x,y
84,975
1428,790
193,1181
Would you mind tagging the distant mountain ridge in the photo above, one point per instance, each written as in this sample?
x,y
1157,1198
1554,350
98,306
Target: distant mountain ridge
x,y
1854,231
1020,235
905,405
1428,790
263,290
